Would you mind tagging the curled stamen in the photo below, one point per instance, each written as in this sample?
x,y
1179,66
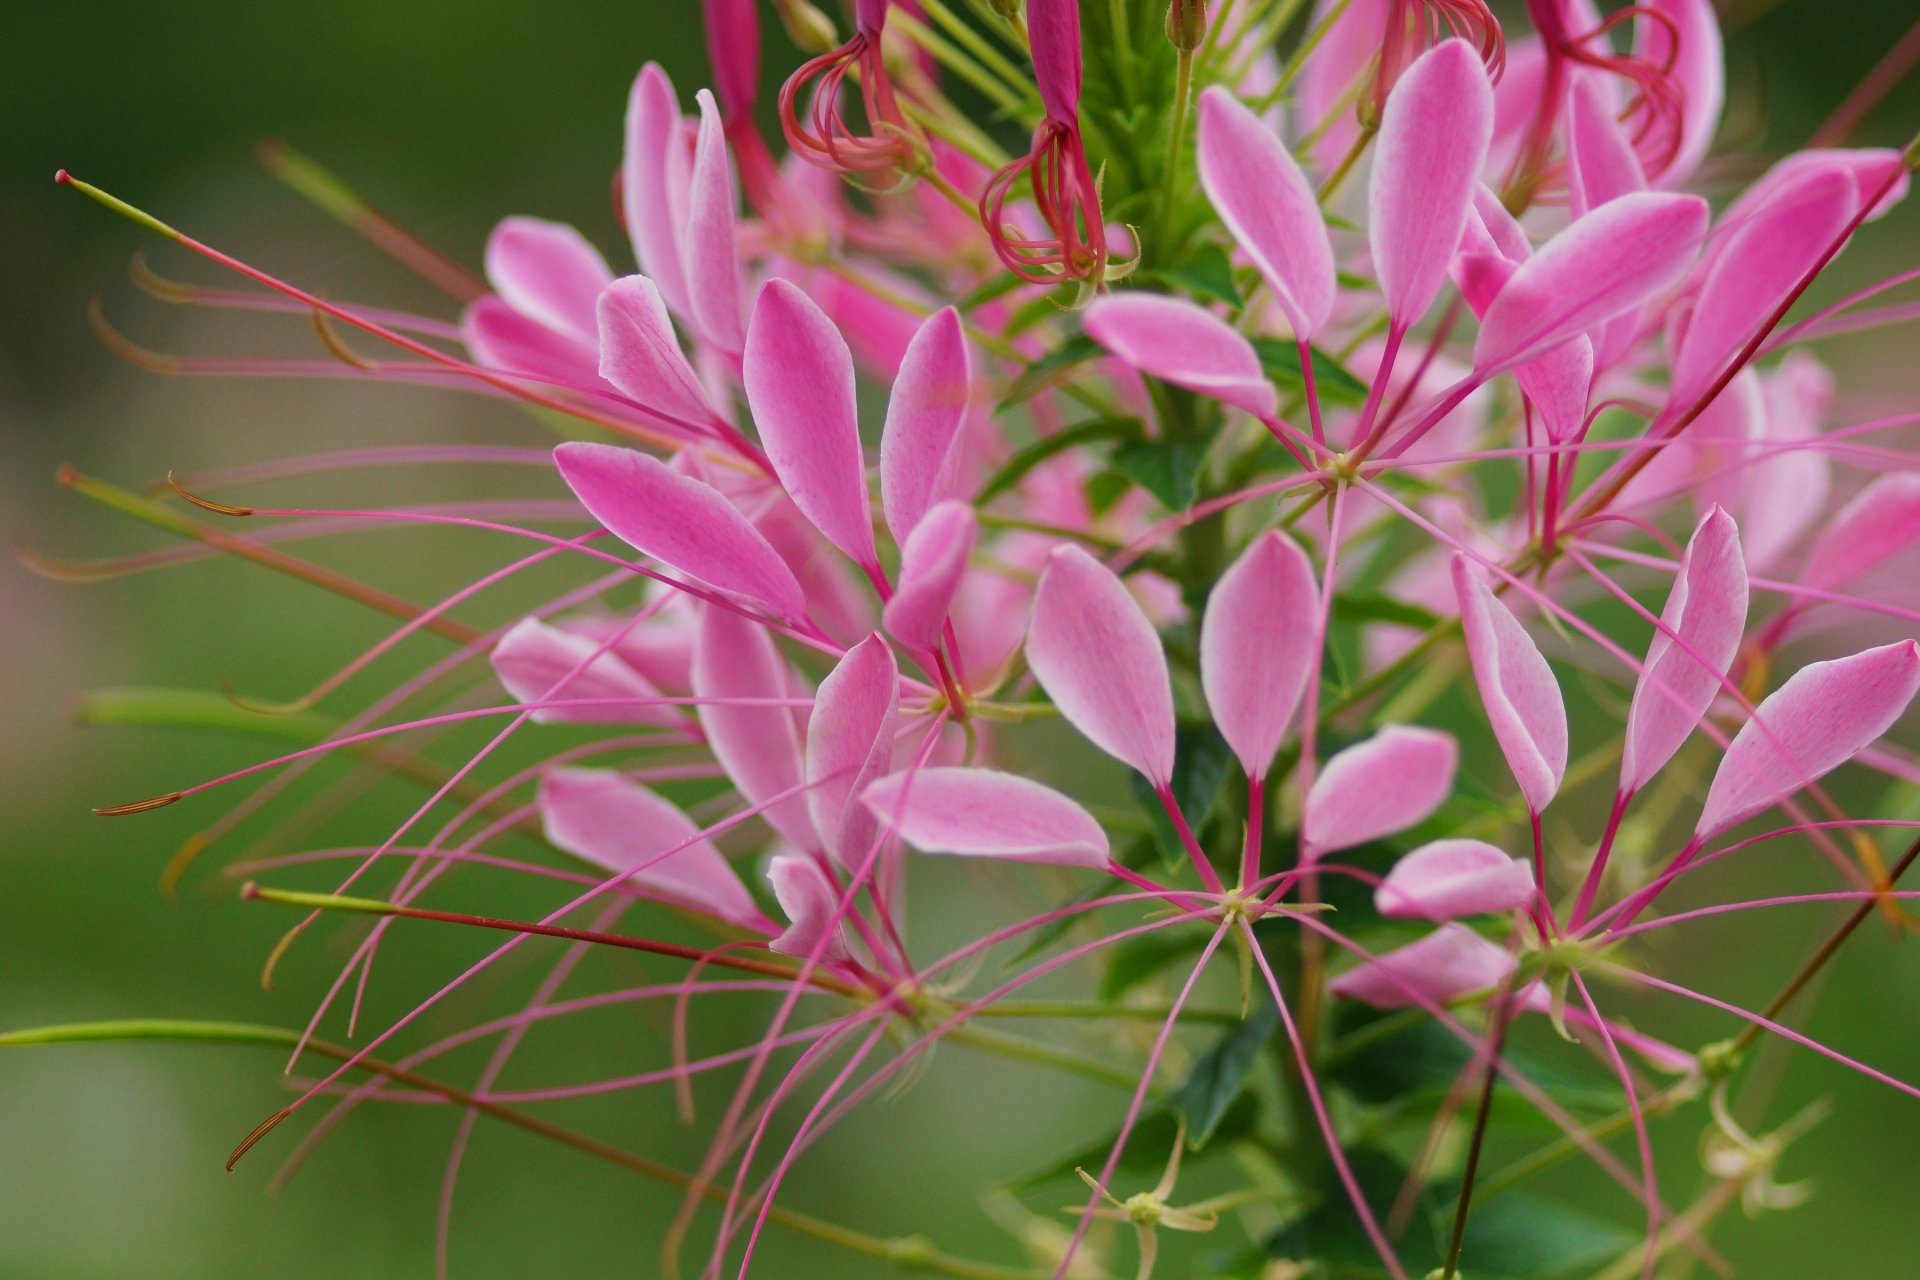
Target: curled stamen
x,y
1068,201
821,134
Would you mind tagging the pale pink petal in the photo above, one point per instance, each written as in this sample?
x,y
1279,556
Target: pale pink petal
x,y
655,150
1053,30
660,649
1389,782
1101,662
1601,161
802,890
1786,492
1426,163
737,666
839,597
640,354
1266,203
712,253
1757,270
1502,228
982,813
502,338
1707,610
1882,520
1698,69
532,659
1447,879
799,383
1451,962
1522,699
924,417
849,744
548,271
1358,29
681,522
1616,257
1178,342
621,826
1825,714
1559,382
1256,647
932,563
1874,169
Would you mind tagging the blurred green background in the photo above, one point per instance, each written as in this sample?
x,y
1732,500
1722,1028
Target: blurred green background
x,y
450,115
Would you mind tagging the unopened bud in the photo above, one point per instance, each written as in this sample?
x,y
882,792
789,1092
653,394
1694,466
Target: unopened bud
x,y
810,30
1187,24
1006,8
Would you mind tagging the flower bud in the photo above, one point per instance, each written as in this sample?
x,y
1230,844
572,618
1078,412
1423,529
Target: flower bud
x,y
1187,24
1007,9
810,30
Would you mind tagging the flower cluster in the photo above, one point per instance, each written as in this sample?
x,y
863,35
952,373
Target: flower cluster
x,y
1300,415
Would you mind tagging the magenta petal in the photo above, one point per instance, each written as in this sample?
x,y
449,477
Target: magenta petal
x,y
548,271
1179,342
620,825
799,382
1882,520
1707,610
681,522
932,564
1426,163
1447,879
1393,780
924,417
501,338
1053,31
1698,69
1601,161
849,744
1522,698
654,176
1451,962
711,243
1757,269
640,354
1824,715
1616,257
533,658
1101,662
1256,647
1268,206
982,813
802,891
1873,168
736,664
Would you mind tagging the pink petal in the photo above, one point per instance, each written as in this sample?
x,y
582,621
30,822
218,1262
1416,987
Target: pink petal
x,y
1178,342
1559,382
1698,69
733,51
1785,493
849,744
502,338
1426,162
1256,647
1707,610
1602,164
1882,520
1451,962
1616,257
932,564
1100,660
1446,879
1053,31
1757,269
640,354
799,383
1873,168
1825,714
982,813
1266,203
924,417
1393,780
600,816
711,240
735,661
654,176
532,660
1358,29
680,522
660,649
801,889
548,271
1522,698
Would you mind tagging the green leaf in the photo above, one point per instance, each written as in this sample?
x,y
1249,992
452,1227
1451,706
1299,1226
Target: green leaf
x,y
1330,1235
1014,469
1048,371
1219,1076
1138,959
1521,1237
1207,273
1369,607
1202,765
1167,469
1147,1146
1331,380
